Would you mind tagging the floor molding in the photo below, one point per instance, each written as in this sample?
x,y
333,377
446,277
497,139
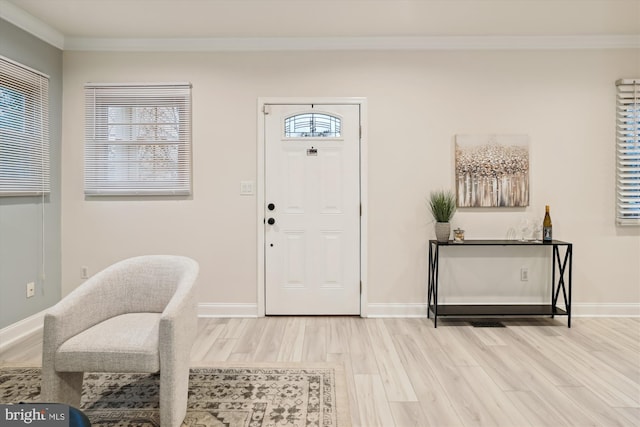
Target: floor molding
x,y
605,310
21,329
209,309
397,310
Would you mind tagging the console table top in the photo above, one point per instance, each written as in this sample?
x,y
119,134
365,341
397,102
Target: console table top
x,y
504,242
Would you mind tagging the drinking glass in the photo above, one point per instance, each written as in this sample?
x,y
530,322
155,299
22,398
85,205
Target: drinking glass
x,y
537,229
525,229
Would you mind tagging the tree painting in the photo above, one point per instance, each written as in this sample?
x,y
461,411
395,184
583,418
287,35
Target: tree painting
x,y
492,170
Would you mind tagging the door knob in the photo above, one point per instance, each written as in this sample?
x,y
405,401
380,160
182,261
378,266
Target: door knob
x,y
271,206
271,221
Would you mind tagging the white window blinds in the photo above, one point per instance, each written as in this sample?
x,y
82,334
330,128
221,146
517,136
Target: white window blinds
x,y
628,152
24,130
138,139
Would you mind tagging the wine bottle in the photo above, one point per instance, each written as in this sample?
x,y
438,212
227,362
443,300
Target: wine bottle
x,y
546,226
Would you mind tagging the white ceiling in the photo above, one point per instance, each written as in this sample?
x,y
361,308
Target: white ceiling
x,y
332,18
83,22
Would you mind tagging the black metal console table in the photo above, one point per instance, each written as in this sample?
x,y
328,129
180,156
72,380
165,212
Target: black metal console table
x,y
562,254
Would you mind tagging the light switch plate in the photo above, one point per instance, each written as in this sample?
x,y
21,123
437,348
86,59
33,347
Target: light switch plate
x,y
246,188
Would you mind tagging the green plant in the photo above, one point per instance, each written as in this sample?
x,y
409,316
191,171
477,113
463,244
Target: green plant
x,y
443,205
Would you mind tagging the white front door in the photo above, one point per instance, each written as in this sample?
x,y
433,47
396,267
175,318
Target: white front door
x,y
312,209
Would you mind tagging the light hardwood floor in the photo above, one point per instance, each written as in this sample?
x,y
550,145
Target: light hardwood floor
x,y
403,372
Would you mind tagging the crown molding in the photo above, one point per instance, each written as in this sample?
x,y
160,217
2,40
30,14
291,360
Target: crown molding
x,y
354,43
42,30
21,19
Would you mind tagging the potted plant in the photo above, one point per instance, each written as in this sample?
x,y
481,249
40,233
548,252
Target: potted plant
x,y
443,205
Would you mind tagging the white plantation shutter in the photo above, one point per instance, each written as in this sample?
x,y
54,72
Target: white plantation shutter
x,y
24,130
628,152
138,139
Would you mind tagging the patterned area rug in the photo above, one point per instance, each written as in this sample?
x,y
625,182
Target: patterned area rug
x,y
228,396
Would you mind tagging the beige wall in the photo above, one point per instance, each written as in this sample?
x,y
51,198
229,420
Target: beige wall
x,y
417,101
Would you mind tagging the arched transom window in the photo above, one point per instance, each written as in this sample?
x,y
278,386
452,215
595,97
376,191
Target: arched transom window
x,y
312,125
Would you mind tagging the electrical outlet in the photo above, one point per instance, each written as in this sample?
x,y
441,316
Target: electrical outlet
x,y
31,289
84,272
524,274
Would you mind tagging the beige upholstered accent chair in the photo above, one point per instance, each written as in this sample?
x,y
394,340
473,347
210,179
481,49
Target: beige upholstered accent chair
x,y
138,315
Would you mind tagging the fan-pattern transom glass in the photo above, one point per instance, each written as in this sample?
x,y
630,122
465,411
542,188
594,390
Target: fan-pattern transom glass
x,y
312,125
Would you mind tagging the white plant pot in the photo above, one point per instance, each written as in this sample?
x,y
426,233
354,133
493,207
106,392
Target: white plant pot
x,y
443,231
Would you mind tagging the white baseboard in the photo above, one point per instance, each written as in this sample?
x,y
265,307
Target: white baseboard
x,y
397,310
32,324
578,310
22,329
418,310
208,309
19,330
605,310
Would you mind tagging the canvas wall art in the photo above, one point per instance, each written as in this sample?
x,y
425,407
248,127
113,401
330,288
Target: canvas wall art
x,y
492,170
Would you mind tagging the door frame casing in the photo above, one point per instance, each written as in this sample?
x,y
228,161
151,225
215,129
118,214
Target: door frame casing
x,y
260,187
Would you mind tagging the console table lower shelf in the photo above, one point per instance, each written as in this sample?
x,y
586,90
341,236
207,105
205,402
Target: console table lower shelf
x,y
498,310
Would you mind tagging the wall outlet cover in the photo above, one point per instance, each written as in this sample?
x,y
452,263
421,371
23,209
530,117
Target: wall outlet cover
x,y
31,289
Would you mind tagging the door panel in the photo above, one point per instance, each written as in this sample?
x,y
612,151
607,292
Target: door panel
x,y
331,182
331,259
295,251
312,250
294,182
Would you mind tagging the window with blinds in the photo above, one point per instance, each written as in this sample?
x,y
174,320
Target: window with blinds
x,y
628,152
24,130
138,139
